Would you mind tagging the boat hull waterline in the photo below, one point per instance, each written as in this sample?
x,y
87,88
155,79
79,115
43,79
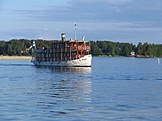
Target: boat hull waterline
x,y
82,62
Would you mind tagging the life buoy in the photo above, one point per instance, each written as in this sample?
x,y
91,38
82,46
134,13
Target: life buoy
x,y
79,47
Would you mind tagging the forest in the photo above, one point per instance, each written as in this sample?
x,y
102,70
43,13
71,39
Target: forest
x,y
20,47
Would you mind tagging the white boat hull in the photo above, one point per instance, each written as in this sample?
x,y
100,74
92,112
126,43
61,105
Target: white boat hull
x,y
82,62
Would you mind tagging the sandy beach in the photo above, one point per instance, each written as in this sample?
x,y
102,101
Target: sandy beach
x,y
15,57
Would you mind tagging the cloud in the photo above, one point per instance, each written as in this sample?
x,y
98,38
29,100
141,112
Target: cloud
x,y
18,33
106,1
111,19
92,10
45,29
99,11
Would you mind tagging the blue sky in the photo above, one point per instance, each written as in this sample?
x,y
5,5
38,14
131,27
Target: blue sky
x,y
116,20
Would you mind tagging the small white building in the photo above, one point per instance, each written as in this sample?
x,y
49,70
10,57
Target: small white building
x,y
132,53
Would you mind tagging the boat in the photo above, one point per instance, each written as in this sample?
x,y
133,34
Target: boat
x,y
63,53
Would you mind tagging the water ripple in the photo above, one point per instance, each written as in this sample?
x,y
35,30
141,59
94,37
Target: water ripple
x,y
120,89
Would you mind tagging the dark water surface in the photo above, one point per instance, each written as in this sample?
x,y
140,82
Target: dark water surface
x,y
114,89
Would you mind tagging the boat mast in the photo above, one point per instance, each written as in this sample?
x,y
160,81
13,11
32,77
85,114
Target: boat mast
x,y
75,37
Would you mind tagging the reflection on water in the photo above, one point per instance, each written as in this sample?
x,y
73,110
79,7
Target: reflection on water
x,y
118,89
85,70
64,89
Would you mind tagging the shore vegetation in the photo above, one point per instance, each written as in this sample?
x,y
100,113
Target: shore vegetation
x,y
20,47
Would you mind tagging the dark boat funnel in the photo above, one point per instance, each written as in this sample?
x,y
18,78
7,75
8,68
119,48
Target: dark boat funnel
x,y
63,37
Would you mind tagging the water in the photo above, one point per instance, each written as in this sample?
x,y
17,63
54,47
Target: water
x,y
114,89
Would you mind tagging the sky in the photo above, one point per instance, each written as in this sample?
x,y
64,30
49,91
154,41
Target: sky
x,y
130,21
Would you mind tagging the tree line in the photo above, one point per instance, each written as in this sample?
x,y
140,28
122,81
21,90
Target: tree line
x,y
20,47
109,48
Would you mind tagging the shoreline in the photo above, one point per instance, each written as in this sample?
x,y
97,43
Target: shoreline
x,y
15,57
30,57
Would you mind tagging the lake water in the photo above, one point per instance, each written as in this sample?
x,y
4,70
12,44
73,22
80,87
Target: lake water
x,y
113,89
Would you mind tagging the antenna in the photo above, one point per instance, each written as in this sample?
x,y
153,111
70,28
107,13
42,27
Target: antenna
x,y
75,32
